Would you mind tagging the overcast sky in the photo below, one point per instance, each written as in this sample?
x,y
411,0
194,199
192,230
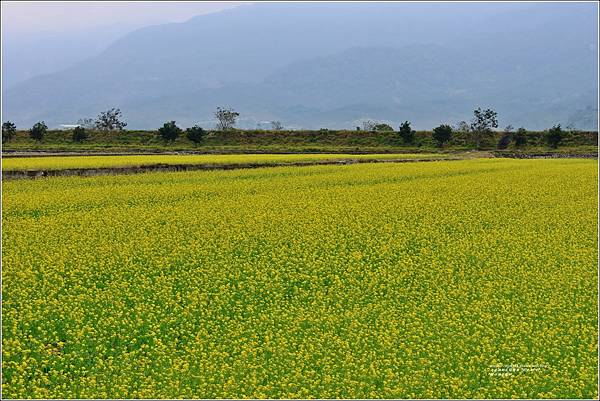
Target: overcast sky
x,y
32,18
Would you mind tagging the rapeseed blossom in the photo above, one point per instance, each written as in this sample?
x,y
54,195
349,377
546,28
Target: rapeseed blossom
x,y
363,281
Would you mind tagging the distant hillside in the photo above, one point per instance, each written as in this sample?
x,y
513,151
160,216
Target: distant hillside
x,y
328,65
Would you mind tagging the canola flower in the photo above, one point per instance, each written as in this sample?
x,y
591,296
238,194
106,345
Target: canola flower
x,y
64,162
361,281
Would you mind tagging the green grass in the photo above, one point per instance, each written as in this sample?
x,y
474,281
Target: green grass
x,y
326,141
412,280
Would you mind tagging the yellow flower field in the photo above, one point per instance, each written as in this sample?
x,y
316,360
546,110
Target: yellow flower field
x,y
463,279
65,162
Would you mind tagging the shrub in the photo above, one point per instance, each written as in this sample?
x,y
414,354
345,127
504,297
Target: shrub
x,y
406,133
169,131
504,141
38,131
442,134
195,134
9,130
506,137
79,134
383,127
520,137
554,136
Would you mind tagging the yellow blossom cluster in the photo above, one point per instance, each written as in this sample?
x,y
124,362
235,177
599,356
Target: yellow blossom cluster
x,y
416,280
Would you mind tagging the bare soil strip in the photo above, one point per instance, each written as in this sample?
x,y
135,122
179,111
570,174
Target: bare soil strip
x,y
163,167
51,153
524,155
20,174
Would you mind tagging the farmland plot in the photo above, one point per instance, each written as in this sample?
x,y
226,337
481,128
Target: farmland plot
x,y
464,279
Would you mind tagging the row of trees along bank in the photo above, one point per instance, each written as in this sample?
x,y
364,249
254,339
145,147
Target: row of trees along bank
x,y
481,130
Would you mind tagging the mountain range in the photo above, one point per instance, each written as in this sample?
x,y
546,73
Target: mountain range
x,y
329,65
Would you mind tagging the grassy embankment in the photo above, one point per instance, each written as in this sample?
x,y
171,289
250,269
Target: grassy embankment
x,y
323,141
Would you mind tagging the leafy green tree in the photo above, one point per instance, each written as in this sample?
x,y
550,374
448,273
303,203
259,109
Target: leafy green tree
x,y
195,134
554,136
9,130
169,131
38,131
520,137
482,124
442,134
406,133
79,134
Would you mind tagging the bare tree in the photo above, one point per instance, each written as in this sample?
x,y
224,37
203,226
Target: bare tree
x,y
571,128
276,125
368,125
226,118
110,120
462,126
87,123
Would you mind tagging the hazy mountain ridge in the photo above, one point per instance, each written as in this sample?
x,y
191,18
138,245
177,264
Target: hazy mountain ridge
x,y
315,66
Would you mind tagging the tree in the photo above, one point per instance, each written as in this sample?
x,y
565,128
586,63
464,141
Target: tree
x,y
87,123
79,134
406,133
276,125
169,131
226,118
110,120
482,124
9,130
554,136
520,137
506,137
462,126
368,125
383,127
38,131
195,134
571,128
442,134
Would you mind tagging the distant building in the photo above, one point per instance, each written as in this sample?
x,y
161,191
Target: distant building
x,y
68,126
